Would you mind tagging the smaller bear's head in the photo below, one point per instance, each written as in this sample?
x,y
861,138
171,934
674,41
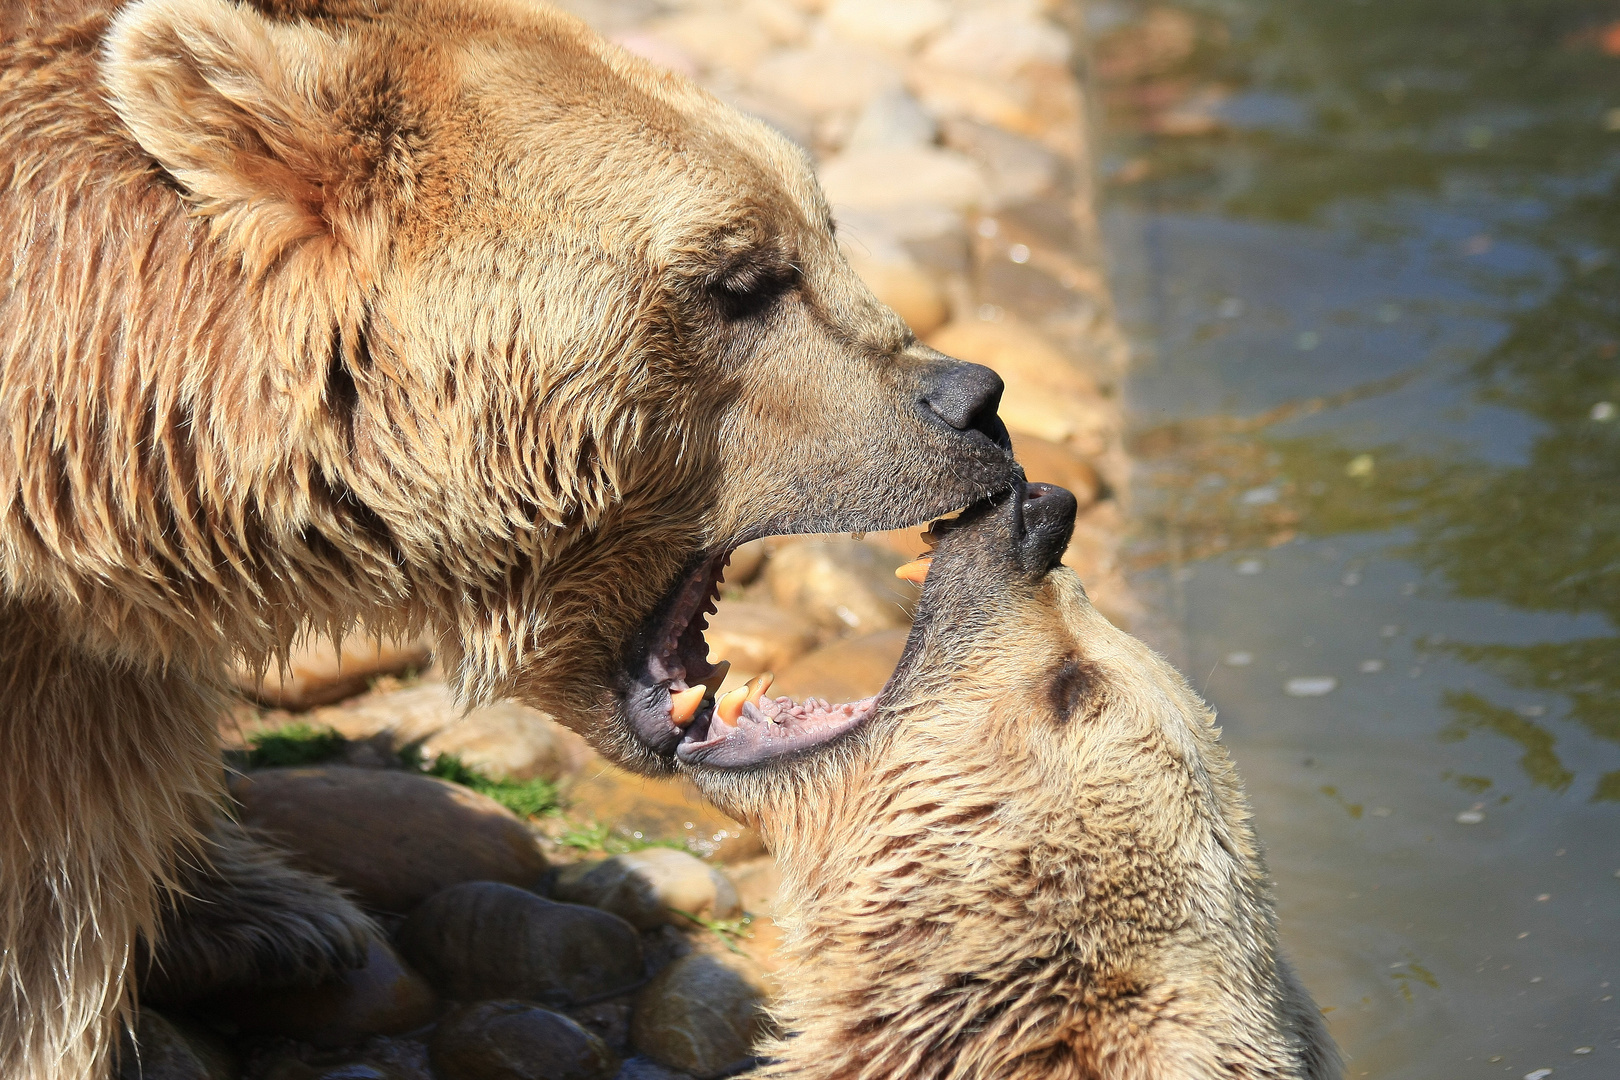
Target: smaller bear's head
x,y
1025,756
1029,857
538,334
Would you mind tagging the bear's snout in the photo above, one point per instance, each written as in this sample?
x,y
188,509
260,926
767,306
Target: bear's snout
x,y
965,397
1048,513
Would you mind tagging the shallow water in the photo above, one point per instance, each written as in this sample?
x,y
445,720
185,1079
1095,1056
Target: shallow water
x,y
1368,253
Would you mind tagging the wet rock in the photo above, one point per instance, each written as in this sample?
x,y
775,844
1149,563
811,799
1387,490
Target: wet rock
x,y
1155,44
384,997
846,670
392,839
661,810
950,94
842,585
320,673
701,1014
659,50
997,44
781,20
758,637
514,742
165,1049
826,77
887,24
717,39
1046,396
642,1068
786,117
608,1021
1018,169
398,1059
892,119
892,178
746,563
406,716
514,1040
650,888
485,939
901,284
375,1059
757,881
504,739
1054,463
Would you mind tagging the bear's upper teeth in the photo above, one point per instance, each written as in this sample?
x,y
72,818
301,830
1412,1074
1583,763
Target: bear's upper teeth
x,y
713,680
683,705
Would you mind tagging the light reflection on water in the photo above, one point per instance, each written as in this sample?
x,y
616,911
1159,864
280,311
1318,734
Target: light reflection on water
x,y
1363,250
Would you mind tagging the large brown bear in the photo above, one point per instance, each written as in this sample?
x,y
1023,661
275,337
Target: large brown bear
x,y
1028,859
415,313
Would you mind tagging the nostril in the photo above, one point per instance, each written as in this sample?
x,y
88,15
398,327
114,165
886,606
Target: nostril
x,y
966,397
1035,491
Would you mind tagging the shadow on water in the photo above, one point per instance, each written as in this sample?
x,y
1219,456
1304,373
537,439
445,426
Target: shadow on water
x,y
1369,255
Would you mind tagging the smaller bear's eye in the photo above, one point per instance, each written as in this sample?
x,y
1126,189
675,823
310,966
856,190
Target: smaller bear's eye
x,y
1072,688
752,289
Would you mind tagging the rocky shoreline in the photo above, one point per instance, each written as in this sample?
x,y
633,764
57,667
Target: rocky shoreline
x,y
548,914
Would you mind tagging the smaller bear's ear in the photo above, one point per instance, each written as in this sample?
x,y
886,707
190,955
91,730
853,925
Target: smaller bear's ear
x,y
245,113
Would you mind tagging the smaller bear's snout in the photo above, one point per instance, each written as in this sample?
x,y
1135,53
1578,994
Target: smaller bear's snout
x,y
1048,513
966,397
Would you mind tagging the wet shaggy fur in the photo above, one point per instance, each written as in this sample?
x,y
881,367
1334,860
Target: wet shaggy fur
x,y
411,313
1036,863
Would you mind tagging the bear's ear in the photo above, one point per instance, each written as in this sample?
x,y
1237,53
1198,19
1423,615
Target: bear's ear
x,y
246,114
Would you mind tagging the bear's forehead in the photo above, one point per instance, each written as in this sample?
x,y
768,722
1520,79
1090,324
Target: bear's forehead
x,y
577,133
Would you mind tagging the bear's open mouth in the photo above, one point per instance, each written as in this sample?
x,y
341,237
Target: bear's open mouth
x,y
674,702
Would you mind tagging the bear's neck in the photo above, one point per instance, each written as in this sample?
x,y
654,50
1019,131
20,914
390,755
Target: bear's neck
x,y
928,934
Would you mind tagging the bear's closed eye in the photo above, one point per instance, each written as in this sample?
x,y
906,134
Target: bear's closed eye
x,y
1071,688
752,288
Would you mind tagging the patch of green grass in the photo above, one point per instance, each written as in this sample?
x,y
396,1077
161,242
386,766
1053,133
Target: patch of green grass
x,y
604,838
293,744
525,798
729,931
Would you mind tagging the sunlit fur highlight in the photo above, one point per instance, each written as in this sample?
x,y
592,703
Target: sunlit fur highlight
x,y
985,886
323,313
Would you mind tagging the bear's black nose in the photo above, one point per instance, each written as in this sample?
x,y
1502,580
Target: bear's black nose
x,y
966,396
1048,512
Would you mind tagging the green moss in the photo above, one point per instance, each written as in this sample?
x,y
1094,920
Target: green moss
x,y
525,798
604,838
293,744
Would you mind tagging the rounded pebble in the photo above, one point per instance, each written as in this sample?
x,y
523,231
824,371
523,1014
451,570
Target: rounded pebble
x,y
702,1014
651,887
484,939
391,838
514,1040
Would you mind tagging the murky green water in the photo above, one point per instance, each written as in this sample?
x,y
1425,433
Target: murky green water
x,y
1369,256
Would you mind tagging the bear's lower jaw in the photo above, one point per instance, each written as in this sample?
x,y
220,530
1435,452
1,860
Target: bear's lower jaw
x,y
673,669
767,729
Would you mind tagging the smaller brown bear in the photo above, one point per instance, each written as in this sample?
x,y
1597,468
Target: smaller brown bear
x,y
1029,857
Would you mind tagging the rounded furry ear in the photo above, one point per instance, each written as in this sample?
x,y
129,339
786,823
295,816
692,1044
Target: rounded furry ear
x,y
246,113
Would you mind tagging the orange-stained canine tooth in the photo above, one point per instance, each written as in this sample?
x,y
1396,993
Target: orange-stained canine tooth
x,y
684,705
757,686
712,683
729,706
916,570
